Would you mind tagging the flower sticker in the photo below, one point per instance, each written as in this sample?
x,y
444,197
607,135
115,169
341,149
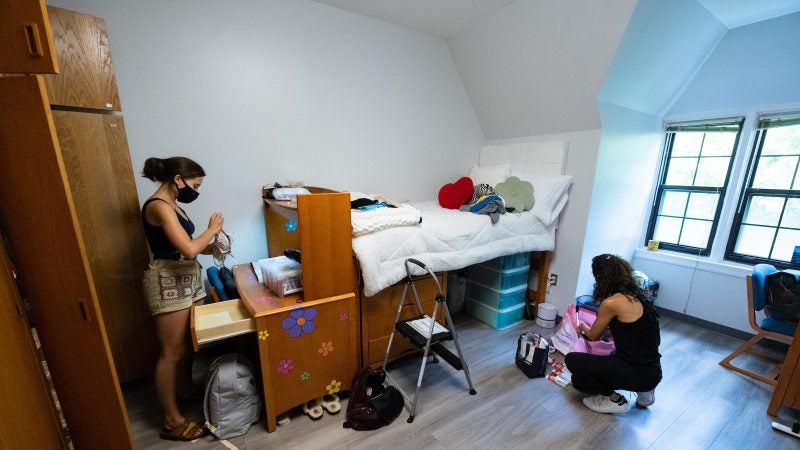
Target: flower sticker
x,y
343,317
263,335
263,298
291,225
305,376
325,348
300,320
333,387
286,365
250,277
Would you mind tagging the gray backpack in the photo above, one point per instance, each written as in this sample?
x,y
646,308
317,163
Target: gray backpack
x,y
231,402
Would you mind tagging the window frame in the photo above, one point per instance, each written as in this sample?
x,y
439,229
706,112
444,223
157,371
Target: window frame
x,y
747,192
661,187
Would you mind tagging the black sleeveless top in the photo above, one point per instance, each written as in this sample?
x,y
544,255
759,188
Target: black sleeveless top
x,y
159,244
637,342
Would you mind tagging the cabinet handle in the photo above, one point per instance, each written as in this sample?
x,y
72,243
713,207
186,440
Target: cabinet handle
x,y
34,43
84,308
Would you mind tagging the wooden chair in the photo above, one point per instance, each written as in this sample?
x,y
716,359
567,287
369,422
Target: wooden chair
x,y
768,328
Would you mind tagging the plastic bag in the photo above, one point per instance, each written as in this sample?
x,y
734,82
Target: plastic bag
x,y
566,338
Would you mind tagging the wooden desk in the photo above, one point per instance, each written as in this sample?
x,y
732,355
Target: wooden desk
x,y
787,391
307,348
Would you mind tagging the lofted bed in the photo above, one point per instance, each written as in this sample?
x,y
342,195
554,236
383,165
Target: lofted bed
x,y
445,240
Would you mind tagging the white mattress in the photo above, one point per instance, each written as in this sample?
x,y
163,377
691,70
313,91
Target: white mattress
x,y
446,240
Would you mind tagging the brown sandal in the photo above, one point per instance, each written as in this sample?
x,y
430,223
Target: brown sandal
x,y
186,431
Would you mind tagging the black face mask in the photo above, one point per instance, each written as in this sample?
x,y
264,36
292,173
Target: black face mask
x,y
186,194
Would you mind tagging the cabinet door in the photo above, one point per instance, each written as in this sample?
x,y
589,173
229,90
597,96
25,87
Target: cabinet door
x,y
87,75
100,177
33,423
37,210
26,43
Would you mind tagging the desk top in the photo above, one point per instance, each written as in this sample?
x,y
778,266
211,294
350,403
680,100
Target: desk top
x,y
261,301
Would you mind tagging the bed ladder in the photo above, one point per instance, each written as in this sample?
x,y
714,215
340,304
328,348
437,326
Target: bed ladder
x,y
426,333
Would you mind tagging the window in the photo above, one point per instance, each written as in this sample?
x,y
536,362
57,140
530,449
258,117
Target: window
x,y
694,176
766,227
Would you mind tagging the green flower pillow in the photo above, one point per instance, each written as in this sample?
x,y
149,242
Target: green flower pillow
x,y
517,194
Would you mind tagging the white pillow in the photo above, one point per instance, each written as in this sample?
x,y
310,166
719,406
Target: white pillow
x,y
491,175
550,193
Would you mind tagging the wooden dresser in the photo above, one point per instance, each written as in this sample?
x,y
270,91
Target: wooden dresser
x,y
308,343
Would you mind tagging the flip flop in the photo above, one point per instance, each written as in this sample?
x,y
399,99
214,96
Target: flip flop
x,y
313,409
186,431
331,403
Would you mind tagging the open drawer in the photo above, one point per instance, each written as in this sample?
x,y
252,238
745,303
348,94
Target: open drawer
x,y
221,320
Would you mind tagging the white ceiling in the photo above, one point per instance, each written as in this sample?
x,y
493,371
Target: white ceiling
x,y
441,17
448,17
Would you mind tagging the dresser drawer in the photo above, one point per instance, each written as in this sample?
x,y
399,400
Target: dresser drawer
x,y
217,321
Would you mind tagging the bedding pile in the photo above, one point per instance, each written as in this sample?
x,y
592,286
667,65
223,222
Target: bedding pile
x,y
446,239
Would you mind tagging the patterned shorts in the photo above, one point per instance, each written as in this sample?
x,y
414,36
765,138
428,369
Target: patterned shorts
x,y
173,285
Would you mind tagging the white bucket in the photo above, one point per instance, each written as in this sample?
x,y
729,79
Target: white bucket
x,y
546,315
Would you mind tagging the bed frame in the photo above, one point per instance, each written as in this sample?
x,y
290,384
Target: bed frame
x,y
378,312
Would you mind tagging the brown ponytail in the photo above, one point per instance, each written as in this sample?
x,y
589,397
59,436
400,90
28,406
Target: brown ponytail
x,y
161,170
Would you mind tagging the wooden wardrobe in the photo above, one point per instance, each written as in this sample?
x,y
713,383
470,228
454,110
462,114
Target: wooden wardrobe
x,y
70,215
91,133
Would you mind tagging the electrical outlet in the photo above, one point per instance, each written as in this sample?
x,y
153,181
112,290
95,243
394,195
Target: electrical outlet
x,y
553,279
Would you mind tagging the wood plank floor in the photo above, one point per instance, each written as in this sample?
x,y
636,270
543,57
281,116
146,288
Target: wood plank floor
x,y
699,405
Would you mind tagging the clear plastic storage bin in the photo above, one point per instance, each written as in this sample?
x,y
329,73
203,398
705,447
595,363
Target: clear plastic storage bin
x,y
508,262
498,299
498,319
498,279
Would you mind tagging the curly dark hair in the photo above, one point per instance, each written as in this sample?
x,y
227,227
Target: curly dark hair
x,y
612,275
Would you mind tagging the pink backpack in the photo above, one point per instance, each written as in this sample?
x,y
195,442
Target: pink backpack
x,y
566,338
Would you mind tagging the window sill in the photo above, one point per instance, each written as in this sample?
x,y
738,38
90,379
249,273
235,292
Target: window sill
x,y
700,263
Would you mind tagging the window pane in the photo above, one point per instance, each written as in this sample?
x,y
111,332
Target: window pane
x,y
754,241
763,211
784,244
667,229
681,171
687,144
719,144
673,203
782,141
791,215
712,172
702,206
775,172
695,233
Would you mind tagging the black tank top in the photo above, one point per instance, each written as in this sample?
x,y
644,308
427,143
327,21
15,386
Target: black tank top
x,y
637,342
159,244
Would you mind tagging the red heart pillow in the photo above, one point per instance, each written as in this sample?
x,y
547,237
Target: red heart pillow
x,y
453,195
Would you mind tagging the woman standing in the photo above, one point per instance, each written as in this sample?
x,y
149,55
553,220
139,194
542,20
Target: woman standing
x,y
173,282
636,363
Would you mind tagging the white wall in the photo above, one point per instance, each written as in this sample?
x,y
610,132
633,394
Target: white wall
x,y
624,174
263,91
535,67
581,158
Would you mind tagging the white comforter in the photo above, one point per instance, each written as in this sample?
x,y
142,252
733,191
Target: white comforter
x,y
446,240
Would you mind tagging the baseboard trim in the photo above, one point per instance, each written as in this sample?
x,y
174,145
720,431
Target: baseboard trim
x,y
722,329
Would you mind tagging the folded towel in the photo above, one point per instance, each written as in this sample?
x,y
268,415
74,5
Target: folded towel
x,y
372,220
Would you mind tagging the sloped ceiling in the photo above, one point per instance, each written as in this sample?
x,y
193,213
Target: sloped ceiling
x,y
441,17
533,67
736,13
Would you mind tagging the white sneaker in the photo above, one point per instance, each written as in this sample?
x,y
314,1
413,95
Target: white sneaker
x,y
645,399
602,404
